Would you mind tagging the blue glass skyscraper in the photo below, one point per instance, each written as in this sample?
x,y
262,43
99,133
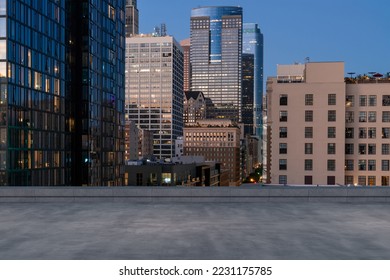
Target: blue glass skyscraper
x,y
253,44
215,56
61,92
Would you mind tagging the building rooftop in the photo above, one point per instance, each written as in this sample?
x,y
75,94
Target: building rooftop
x,y
371,78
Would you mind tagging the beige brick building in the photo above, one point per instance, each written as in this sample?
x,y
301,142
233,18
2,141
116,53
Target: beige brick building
x,y
216,140
324,129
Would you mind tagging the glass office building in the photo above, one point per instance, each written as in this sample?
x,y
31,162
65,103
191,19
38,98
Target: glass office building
x,y
216,48
62,92
253,44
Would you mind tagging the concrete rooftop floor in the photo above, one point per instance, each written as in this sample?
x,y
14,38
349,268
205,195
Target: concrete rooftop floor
x,y
194,231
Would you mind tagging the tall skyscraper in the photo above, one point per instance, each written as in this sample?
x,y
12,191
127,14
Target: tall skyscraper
x,y
216,48
185,44
248,75
154,89
253,43
132,18
62,92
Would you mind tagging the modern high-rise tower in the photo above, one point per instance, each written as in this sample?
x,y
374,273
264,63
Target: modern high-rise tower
x,y
253,44
132,18
154,89
62,92
216,48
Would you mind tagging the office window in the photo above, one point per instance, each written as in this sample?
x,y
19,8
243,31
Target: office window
x,y
331,132
362,180
371,116
385,149
308,116
385,180
386,116
362,164
385,132
386,100
283,116
371,180
282,164
371,149
362,100
331,115
362,149
283,179
349,164
331,165
349,101
371,164
332,99
331,148
349,180
331,180
308,164
308,132
283,100
349,117
349,149
308,99
385,165
283,132
372,100
362,116
282,148
362,132
308,148
349,132
372,132
308,180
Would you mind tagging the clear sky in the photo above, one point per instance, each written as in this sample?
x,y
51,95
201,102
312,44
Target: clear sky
x,y
354,31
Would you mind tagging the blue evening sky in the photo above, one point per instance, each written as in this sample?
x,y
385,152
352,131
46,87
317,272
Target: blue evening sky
x,y
353,31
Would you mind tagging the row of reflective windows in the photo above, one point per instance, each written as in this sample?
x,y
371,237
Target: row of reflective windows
x,y
364,100
349,180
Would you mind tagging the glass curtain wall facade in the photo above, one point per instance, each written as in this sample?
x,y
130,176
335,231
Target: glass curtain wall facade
x,y
253,43
215,57
34,126
132,18
154,89
248,93
96,64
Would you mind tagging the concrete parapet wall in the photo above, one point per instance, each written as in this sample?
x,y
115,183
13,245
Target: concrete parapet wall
x,y
194,194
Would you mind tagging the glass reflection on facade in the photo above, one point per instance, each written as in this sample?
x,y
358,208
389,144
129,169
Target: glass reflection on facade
x,y
61,92
154,89
216,47
253,44
96,62
34,135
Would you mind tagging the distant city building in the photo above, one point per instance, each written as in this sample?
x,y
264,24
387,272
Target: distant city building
x,y
185,44
132,18
194,106
216,140
253,43
145,143
215,57
154,89
248,75
179,146
131,141
62,93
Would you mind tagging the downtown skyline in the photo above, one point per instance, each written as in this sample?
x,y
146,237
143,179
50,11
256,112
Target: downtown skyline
x,y
351,31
